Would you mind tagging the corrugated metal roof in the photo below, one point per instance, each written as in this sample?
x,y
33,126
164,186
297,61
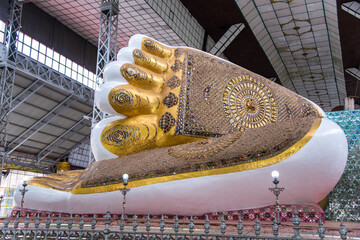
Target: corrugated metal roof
x,y
52,133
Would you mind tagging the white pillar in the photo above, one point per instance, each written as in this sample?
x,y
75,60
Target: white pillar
x,y
349,103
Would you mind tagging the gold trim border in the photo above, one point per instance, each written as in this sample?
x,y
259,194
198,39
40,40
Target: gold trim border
x,y
237,168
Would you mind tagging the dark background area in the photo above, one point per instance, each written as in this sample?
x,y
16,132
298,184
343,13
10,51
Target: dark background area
x,y
47,30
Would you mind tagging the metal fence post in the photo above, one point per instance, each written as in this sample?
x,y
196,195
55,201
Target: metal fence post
x,y
176,227
16,225
81,222
58,227
26,226
162,226
37,221
296,222
343,231
275,228
257,226
134,227
6,228
107,224
71,222
148,227
47,226
321,229
191,227
121,226
93,226
207,227
240,225
222,227
36,224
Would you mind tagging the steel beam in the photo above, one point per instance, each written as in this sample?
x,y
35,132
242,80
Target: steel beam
x,y
52,114
79,149
7,82
37,70
29,161
109,10
81,142
226,39
8,71
353,72
352,7
57,143
81,153
25,94
50,124
18,163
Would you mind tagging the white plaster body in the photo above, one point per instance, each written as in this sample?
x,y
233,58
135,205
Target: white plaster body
x,y
308,176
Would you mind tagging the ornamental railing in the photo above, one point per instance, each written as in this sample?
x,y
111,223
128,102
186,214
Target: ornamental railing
x,y
158,228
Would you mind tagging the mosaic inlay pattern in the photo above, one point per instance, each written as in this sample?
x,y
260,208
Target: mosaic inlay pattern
x,y
170,100
173,82
218,98
166,122
344,200
176,66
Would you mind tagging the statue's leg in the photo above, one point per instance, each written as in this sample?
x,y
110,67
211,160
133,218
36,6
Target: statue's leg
x,y
232,172
238,127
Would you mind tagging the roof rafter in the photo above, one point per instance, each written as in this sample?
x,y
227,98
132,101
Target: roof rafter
x,y
41,123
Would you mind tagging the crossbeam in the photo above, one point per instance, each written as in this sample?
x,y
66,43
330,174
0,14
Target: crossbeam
x,y
27,162
352,7
226,39
37,70
56,143
25,95
18,141
353,72
14,162
78,149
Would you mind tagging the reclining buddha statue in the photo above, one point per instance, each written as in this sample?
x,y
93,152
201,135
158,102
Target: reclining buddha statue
x,y
196,134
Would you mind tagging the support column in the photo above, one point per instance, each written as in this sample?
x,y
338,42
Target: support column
x,y
349,103
109,10
8,72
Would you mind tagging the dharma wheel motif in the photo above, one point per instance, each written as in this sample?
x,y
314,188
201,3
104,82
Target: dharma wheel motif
x,y
248,103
